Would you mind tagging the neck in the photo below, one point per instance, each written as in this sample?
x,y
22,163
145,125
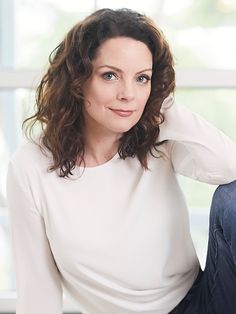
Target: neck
x,y
100,147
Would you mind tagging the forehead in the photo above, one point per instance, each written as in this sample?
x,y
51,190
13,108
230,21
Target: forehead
x,y
123,51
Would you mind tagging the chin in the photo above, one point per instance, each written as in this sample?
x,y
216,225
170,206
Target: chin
x,y
123,129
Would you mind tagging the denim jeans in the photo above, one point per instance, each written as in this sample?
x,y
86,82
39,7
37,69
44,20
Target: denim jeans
x,y
214,290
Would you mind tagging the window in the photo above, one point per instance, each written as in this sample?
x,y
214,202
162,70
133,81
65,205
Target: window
x,y
201,34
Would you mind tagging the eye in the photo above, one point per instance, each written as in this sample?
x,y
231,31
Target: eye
x,y
109,76
143,79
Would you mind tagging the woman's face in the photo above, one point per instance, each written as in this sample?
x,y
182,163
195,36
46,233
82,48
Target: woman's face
x,y
119,87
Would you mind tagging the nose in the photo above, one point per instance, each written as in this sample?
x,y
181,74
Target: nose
x,y
126,91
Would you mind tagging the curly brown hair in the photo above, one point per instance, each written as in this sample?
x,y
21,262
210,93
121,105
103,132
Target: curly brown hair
x,y
59,97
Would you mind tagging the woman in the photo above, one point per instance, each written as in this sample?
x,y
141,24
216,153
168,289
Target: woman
x,y
95,206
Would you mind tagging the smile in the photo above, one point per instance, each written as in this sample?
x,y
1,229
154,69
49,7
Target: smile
x,y
122,113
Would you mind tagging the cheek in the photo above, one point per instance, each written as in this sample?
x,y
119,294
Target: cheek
x,y
143,98
102,97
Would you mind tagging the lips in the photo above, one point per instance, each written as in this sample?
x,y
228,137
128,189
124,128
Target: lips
x,y
122,113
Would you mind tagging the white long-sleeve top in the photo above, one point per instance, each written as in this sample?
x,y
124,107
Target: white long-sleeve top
x,y
115,239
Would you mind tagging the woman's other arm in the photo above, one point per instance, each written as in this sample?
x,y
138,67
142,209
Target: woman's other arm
x,y
37,278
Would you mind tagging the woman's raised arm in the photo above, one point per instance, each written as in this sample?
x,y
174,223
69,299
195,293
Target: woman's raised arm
x,y
197,149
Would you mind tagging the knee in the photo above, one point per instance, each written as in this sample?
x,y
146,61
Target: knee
x,y
225,194
223,209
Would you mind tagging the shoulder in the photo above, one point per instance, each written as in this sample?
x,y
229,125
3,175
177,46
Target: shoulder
x,y
29,155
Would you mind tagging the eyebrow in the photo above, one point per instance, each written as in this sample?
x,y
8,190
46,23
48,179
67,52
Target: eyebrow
x,y
119,70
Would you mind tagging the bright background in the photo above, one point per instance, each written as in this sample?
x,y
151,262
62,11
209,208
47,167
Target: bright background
x,y
202,37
